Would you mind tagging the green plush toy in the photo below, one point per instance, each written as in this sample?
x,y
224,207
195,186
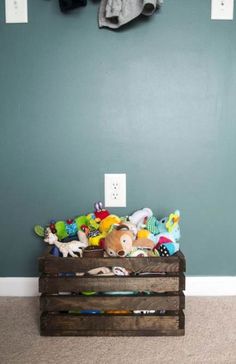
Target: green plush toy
x,y
39,230
64,229
80,221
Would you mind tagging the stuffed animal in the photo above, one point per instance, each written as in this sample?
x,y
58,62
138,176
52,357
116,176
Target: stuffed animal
x,y
120,242
92,222
140,234
39,230
166,224
100,212
63,229
95,239
155,226
138,253
67,228
107,223
128,225
139,217
167,241
173,221
64,248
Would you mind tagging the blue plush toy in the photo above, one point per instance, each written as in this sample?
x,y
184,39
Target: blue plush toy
x,y
166,232
155,226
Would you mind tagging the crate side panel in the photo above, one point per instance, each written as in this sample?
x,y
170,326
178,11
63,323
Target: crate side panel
x,y
49,264
66,322
100,284
176,332
56,303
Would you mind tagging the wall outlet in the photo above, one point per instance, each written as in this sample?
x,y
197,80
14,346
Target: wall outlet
x,y
115,190
222,9
16,11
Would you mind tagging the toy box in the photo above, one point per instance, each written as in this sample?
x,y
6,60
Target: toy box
x,y
149,302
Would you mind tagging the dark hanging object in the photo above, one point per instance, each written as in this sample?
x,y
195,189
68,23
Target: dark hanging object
x,y
66,5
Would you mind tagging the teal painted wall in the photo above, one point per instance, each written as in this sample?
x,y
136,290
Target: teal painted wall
x,y
155,100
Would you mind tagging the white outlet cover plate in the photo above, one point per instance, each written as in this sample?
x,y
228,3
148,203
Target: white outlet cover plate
x,y
222,9
16,11
115,189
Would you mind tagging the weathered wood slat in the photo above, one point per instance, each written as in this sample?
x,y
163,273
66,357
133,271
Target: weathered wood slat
x,y
182,261
56,303
177,332
49,284
66,324
173,264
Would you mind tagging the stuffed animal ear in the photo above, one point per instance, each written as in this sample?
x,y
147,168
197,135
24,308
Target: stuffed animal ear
x,y
144,243
120,227
123,227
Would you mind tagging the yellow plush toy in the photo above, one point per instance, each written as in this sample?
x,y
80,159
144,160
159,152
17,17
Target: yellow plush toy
x,y
143,234
106,224
95,240
93,223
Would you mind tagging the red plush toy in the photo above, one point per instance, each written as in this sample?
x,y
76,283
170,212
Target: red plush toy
x,y
100,212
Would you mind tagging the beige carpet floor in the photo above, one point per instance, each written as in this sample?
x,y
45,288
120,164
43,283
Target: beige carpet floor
x,y
210,338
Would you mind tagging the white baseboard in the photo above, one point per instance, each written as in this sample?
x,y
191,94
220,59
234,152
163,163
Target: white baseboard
x,y
211,286
195,286
19,286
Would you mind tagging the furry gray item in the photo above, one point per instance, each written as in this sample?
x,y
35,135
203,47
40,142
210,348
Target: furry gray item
x,y
115,13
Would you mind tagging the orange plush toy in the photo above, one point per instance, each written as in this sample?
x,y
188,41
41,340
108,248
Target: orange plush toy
x,y
120,242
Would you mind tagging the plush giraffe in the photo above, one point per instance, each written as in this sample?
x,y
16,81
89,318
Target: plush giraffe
x,y
65,248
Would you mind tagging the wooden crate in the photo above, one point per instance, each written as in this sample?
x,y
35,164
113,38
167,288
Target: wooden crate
x,y
167,299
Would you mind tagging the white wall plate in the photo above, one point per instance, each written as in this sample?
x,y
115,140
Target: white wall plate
x,y
222,9
115,190
16,11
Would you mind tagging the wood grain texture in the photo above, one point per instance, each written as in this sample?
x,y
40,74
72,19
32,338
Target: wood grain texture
x,y
151,325
47,332
48,284
182,261
57,303
171,280
172,264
